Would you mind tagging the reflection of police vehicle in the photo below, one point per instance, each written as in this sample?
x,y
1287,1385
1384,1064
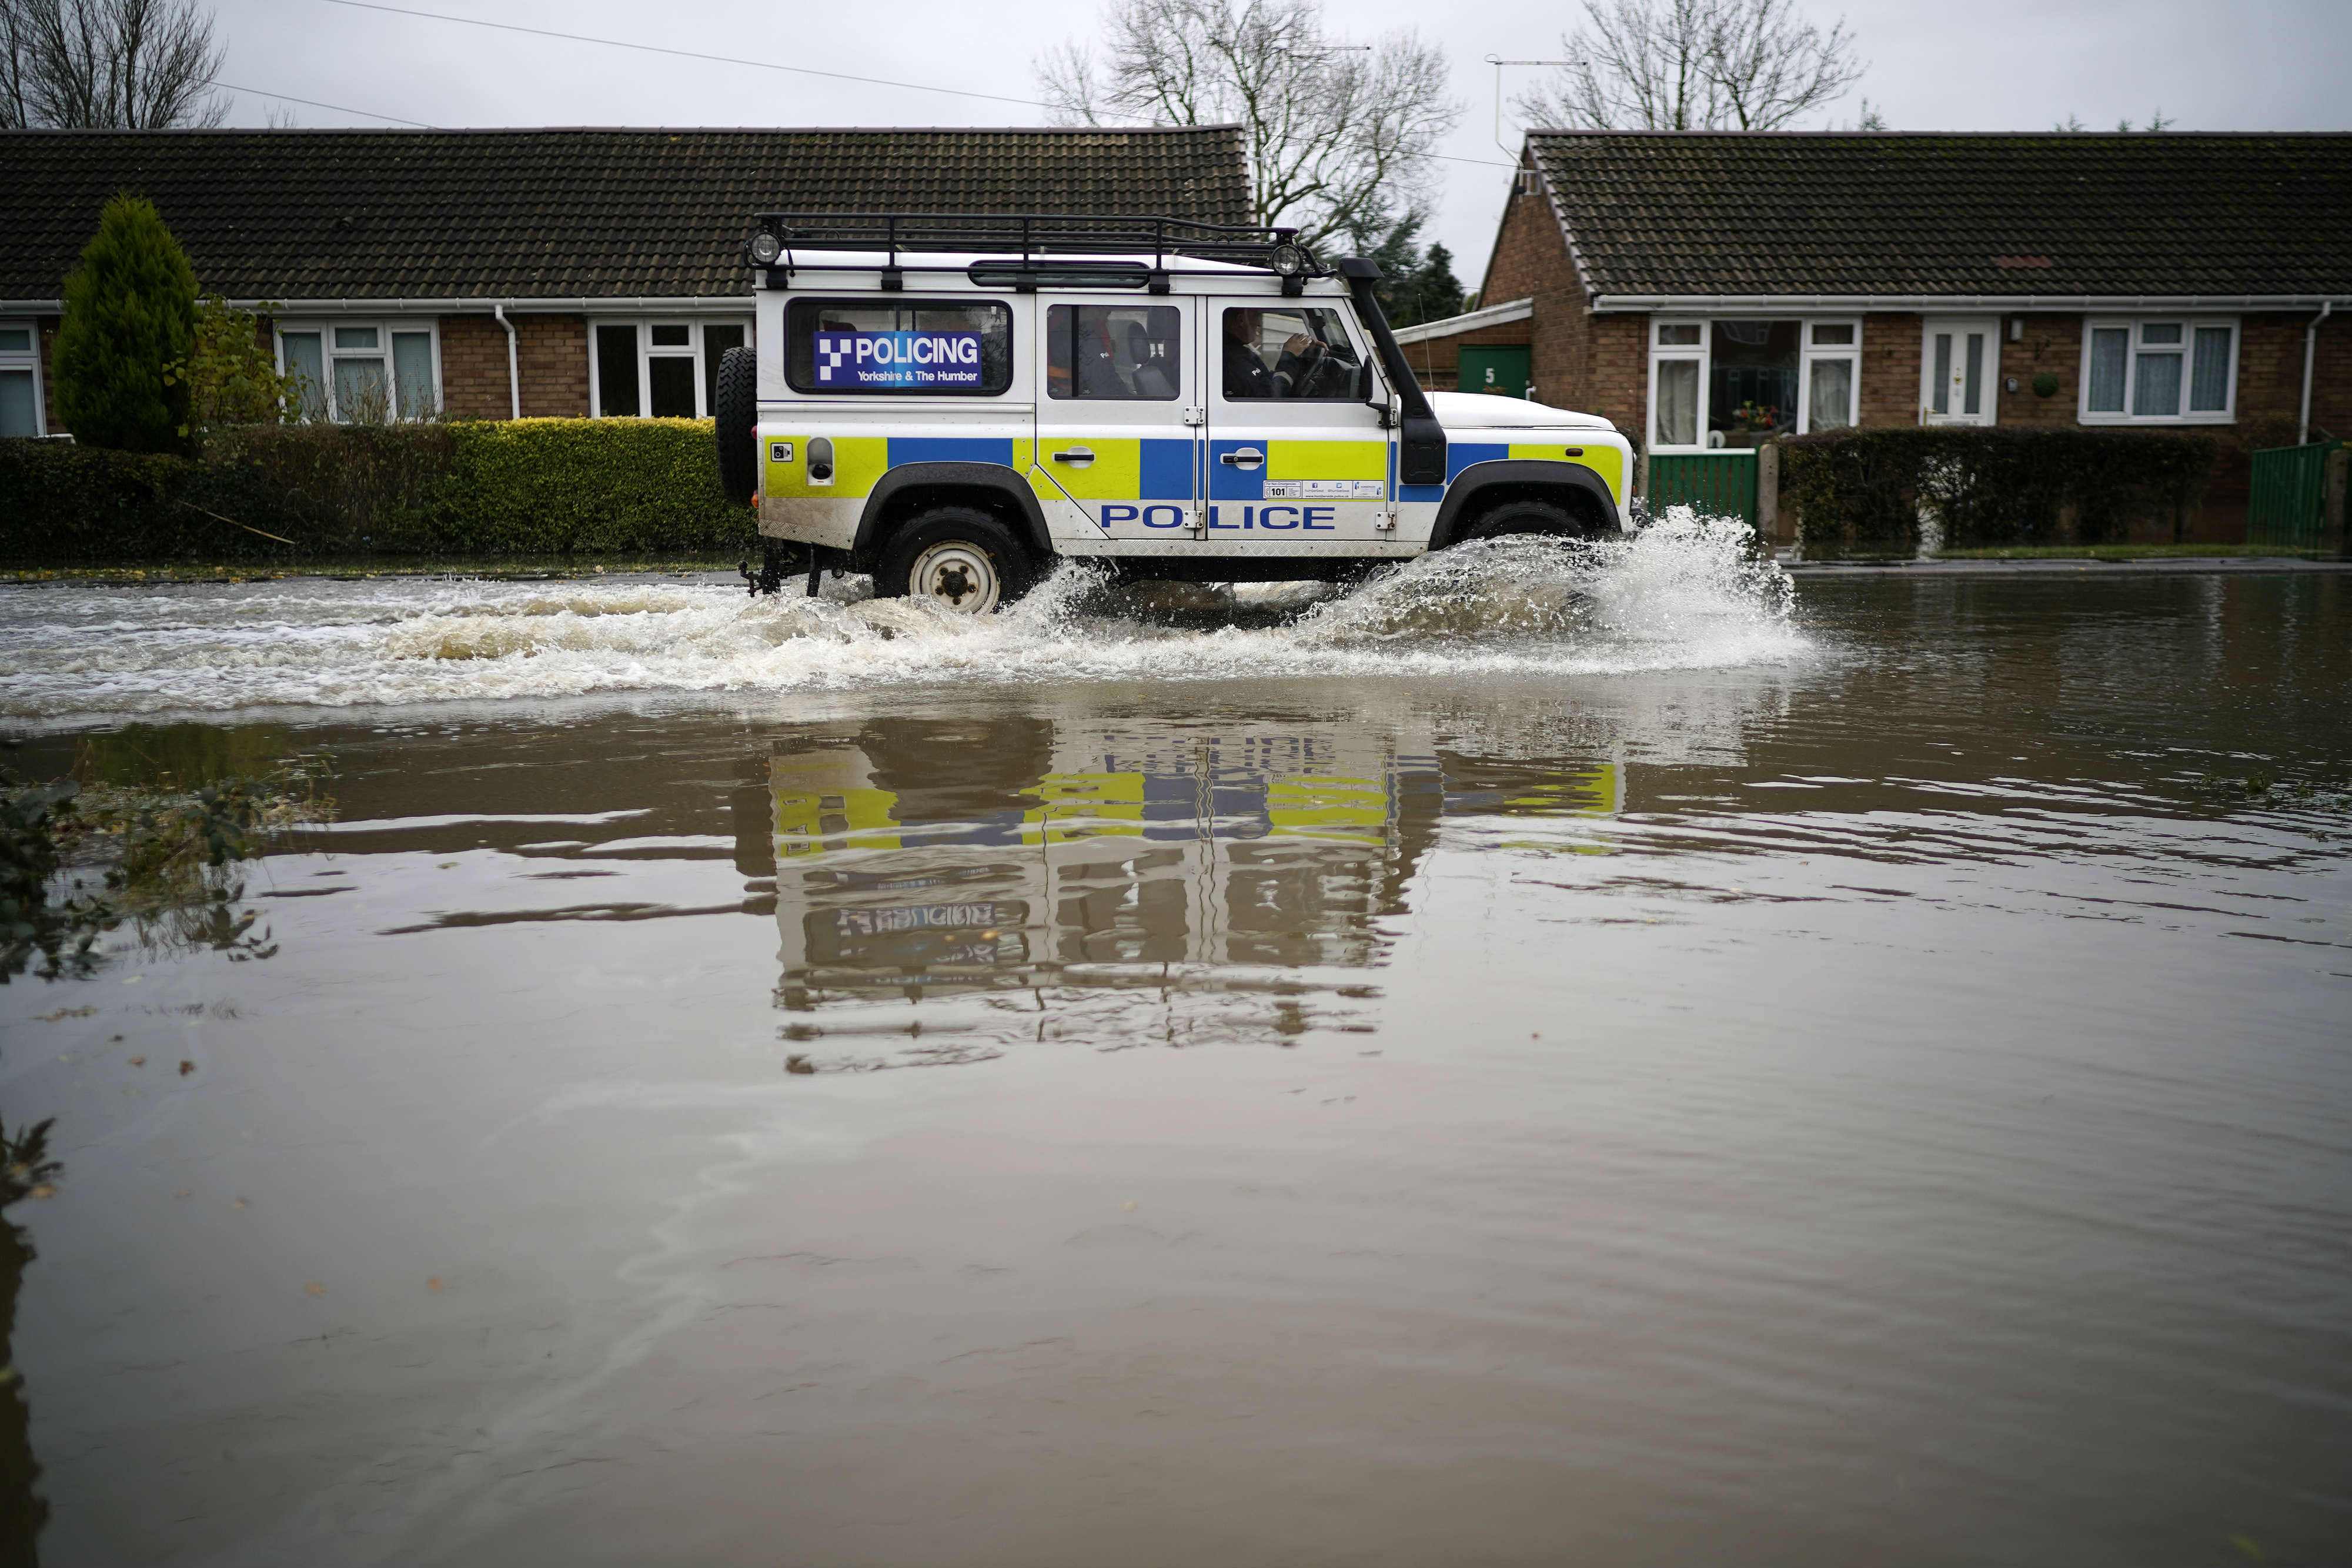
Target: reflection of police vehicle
x,y
920,859
951,403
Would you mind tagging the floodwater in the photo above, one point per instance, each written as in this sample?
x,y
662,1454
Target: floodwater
x,y
1552,1057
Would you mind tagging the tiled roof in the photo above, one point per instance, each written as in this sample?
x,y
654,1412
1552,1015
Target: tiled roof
x,y
324,214
1703,213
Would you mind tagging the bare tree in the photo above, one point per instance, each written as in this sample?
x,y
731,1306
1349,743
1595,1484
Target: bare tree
x,y
1694,65
15,58
118,64
1338,136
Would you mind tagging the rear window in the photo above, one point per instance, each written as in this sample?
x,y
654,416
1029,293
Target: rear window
x,y
1115,353
924,347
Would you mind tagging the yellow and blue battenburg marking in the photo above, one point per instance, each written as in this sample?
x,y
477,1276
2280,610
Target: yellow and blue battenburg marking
x,y
1293,486
1605,461
1148,480
1131,479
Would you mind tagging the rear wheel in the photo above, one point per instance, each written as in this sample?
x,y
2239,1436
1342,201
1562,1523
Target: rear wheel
x,y
957,557
736,411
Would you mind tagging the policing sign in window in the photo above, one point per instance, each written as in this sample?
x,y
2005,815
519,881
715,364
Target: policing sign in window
x,y
935,347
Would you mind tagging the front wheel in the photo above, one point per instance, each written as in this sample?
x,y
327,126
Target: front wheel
x,y
1531,516
958,558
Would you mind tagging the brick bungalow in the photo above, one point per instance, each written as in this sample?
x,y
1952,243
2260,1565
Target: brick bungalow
x,y
494,274
1709,290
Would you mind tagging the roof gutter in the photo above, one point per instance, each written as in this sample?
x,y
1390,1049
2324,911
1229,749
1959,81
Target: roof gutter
x,y
1675,302
514,362
1469,321
2310,349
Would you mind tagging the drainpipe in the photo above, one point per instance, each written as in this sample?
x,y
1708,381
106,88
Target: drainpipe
x,y
2310,349
514,374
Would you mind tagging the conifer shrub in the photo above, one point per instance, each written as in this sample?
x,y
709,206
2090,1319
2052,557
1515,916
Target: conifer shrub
x,y
129,329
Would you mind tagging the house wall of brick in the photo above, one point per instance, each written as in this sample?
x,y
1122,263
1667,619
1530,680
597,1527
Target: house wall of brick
x,y
1890,370
1531,262
1611,374
473,368
2331,379
1530,258
552,351
2046,345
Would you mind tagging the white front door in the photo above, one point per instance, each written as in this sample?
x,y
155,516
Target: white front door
x,y
1959,369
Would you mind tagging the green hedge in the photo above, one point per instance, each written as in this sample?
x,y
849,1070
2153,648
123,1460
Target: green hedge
x,y
533,486
1863,491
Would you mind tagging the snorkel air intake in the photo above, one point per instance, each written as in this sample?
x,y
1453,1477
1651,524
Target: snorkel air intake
x,y
1421,455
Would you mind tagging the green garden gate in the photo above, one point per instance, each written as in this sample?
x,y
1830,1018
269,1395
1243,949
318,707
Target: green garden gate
x,y
2286,503
1713,484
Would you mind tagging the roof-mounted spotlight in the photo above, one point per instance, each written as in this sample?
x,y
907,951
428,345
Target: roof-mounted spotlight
x,y
765,249
1288,260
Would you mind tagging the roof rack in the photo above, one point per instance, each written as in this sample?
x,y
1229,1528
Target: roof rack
x,y
1035,234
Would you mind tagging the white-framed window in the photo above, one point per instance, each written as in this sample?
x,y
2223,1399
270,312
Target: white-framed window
x,y
20,379
364,371
658,368
1832,376
1677,385
1729,382
2159,369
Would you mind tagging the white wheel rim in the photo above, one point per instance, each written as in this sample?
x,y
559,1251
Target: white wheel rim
x,y
957,576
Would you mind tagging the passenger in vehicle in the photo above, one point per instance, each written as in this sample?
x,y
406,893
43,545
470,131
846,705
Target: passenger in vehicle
x,y
1098,366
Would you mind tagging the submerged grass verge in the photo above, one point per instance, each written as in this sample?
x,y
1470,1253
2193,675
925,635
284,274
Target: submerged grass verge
x,y
2115,552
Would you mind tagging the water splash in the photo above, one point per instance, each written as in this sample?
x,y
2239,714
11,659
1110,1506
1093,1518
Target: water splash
x,y
1684,593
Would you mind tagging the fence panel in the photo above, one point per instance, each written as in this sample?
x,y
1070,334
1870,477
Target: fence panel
x,y
1713,484
2287,500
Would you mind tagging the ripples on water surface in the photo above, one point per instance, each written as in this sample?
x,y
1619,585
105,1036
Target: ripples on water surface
x,y
1551,1056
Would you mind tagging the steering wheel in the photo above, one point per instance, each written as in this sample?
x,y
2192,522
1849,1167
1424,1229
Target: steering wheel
x,y
1318,370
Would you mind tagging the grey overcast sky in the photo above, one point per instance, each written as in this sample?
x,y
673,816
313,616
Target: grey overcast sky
x,y
1991,64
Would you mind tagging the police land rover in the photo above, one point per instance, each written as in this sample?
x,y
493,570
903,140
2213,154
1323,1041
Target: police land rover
x,y
954,403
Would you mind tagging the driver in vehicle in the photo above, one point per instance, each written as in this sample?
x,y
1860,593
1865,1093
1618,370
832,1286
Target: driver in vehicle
x,y
1246,373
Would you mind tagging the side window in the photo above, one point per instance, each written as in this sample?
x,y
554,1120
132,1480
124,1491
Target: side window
x,y
1298,352
918,347
1117,353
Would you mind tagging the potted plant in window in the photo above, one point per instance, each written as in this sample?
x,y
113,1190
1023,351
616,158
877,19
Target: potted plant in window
x,y
1753,423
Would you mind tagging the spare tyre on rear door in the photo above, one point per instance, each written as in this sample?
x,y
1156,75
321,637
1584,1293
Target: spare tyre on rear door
x,y
956,557
736,411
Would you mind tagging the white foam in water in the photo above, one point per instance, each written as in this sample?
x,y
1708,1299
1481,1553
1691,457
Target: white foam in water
x,y
1683,594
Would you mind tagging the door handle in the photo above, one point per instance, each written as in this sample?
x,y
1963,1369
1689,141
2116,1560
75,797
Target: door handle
x,y
1076,457
1245,457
